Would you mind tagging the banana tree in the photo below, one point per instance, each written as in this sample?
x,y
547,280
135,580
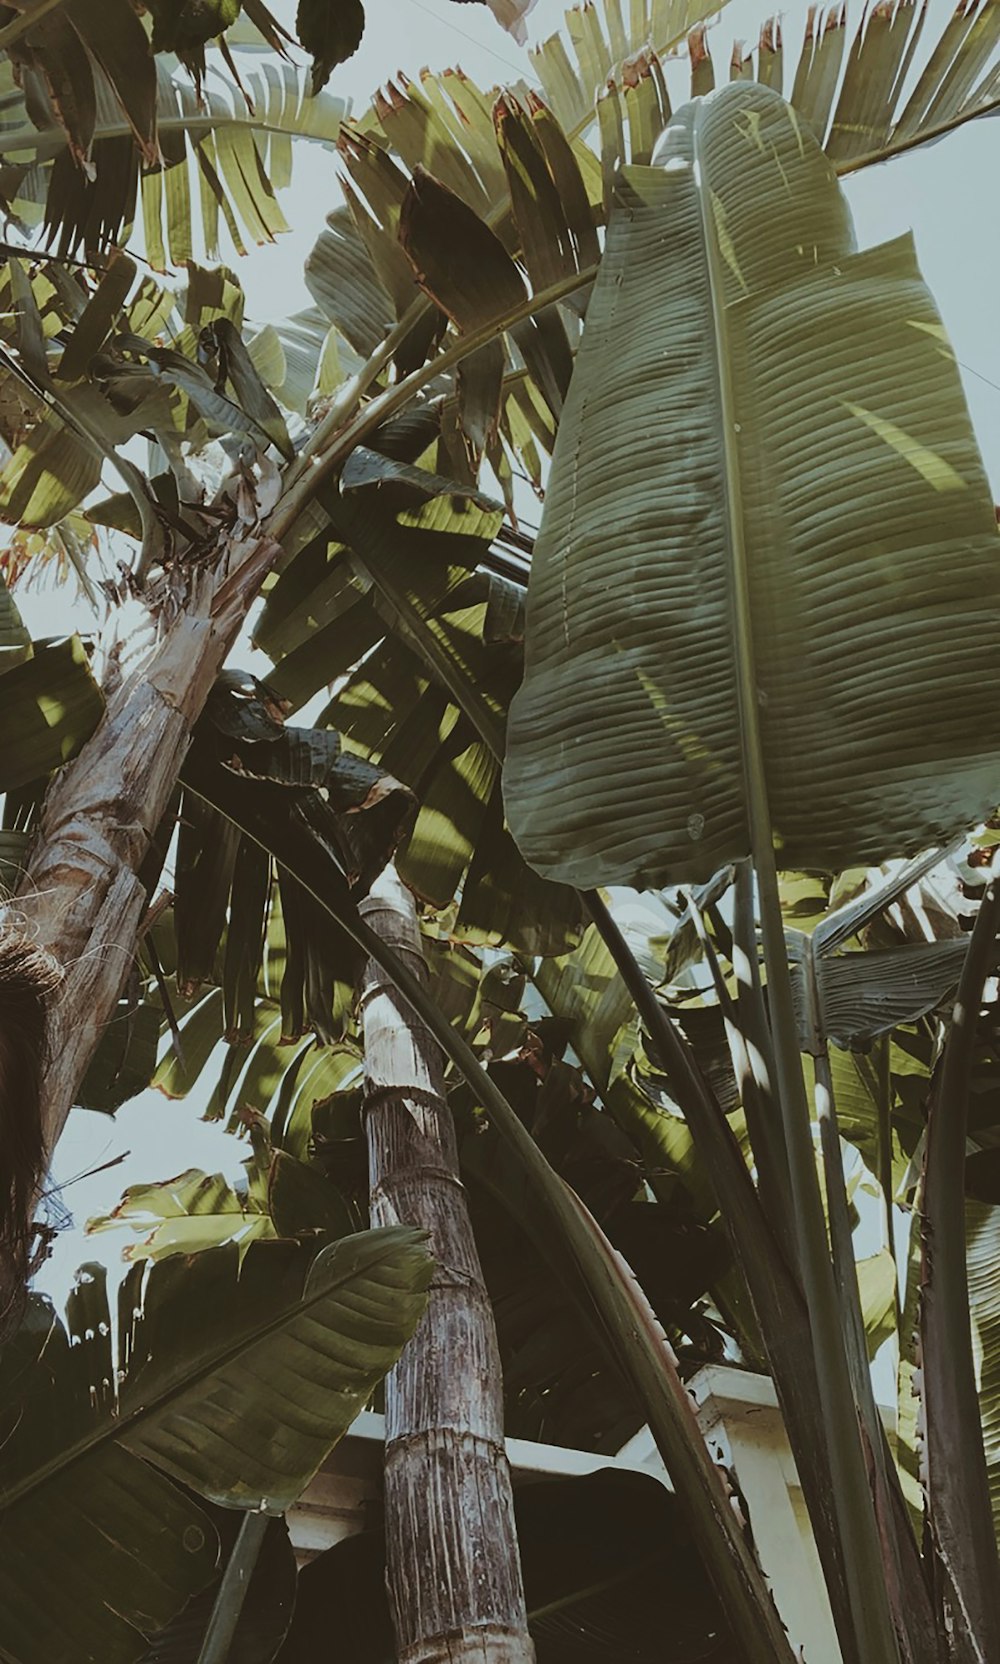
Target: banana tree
x,y
498,189
796,352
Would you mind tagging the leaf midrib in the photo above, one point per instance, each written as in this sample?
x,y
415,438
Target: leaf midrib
x,y
43,145
117,1428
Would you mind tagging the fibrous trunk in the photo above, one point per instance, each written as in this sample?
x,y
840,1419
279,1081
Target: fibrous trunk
x,y
82,898
453,1568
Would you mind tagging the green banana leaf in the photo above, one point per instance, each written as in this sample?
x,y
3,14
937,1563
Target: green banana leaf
x,y
804,540
51,704
15,642
198,1355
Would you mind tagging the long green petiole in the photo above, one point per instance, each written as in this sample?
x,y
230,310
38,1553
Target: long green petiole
x,y
233,1589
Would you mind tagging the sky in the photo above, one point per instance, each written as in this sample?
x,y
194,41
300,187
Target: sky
x,y
945,193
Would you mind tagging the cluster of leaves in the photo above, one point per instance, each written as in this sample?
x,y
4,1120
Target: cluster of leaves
x,y
96,110
450,287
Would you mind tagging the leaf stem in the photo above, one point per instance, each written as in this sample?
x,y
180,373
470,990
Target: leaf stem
x,y
914,141
905,1584
958,1497
873,1629
19,26
233,1589
348,426
770,1155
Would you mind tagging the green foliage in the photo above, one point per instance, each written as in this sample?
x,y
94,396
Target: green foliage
x,y
186,26
739,569
170,1379
402,592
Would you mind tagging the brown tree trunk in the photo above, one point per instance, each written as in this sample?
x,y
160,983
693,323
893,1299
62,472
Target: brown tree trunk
x,y
453,1568
81,897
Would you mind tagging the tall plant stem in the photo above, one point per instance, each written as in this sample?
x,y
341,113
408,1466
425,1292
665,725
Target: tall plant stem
x,y
233,1589
873,1627
957,1488
908,1599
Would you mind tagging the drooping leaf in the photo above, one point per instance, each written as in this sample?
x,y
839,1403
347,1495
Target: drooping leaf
x,y
457,259
251,394
210,1333
301,779
226,155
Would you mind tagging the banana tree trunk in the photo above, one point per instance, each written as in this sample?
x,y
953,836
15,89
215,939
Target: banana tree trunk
x,y
81,897
454,1573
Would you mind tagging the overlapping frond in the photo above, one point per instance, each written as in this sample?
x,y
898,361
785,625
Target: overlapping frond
x,y
883,87
219,156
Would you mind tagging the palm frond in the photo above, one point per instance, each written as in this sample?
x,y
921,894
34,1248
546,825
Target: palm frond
x,y
884,88
225,152
596,43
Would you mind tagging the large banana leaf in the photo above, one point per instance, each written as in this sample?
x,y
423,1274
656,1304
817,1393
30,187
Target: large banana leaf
x,y
803,541
99,1549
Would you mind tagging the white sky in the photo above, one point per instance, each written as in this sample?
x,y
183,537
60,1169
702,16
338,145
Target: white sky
x,y
945,193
